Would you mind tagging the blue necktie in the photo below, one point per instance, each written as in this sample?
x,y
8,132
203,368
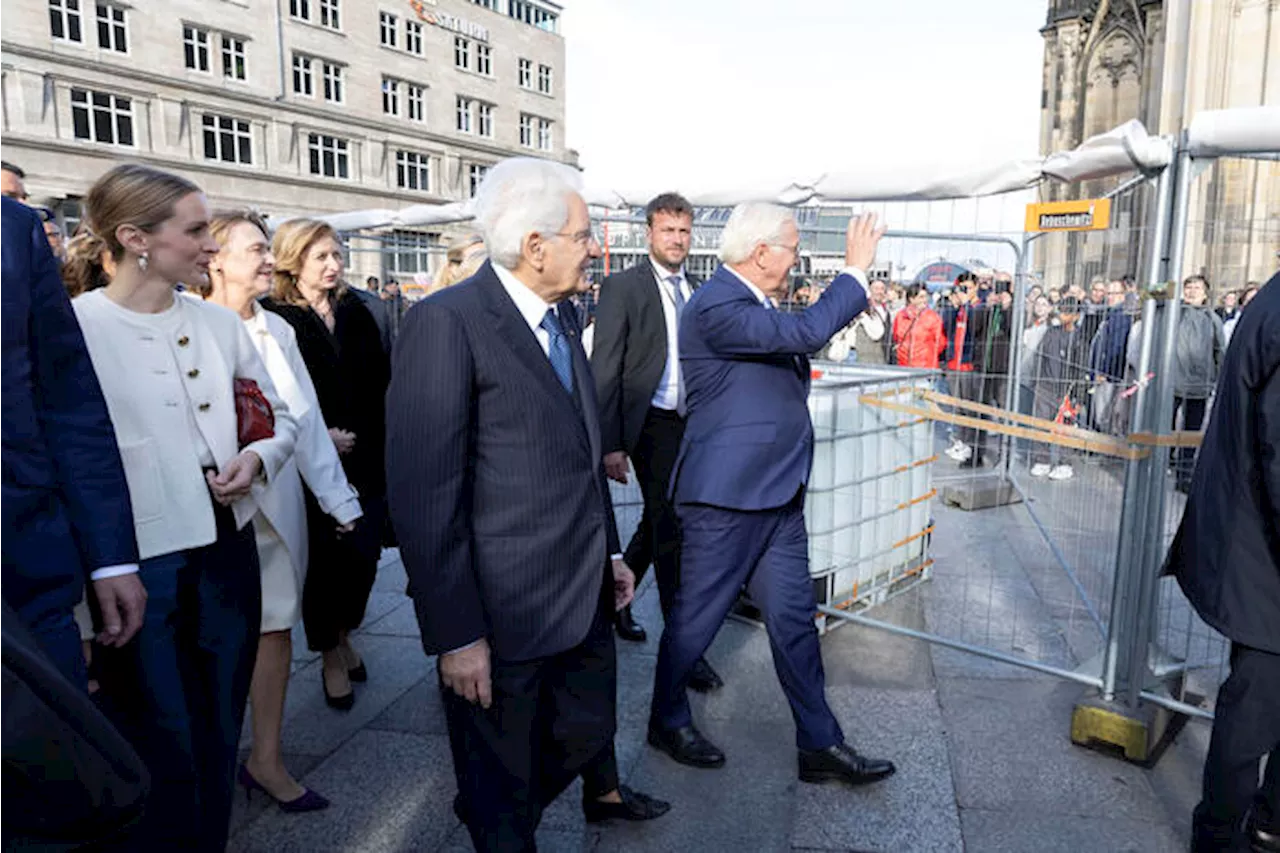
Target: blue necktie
x,y
558,352
677,296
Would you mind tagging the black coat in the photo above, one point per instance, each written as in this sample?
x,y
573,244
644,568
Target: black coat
x,y
496,482
1226,555
350,370
992,333
629,352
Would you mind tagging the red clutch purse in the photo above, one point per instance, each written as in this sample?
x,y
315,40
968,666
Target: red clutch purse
x,y
254,419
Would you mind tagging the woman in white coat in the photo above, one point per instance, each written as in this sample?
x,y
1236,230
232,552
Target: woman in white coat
x,y
238,275
169,366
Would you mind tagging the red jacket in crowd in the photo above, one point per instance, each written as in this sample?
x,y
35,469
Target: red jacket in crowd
x,y
918,339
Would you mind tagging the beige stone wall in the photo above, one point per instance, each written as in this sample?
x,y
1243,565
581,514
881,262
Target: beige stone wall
x,y
169,100
1231,59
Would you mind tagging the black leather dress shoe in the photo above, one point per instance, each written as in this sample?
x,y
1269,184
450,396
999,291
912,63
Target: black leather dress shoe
x,y
634,806
1263,840
840,763
687,746
627,627
703,678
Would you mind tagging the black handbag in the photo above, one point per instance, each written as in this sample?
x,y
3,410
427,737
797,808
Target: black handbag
x,y
70,779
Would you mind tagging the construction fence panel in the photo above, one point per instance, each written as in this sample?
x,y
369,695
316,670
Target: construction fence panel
x,y
1231,239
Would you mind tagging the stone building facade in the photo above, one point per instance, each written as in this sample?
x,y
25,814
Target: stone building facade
x,y
287,106
1108,61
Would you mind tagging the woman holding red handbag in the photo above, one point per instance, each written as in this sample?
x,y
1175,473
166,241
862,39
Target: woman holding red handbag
x,y
239,275
168,366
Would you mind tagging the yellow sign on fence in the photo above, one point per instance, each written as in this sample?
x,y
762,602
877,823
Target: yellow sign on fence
x,y
1089,214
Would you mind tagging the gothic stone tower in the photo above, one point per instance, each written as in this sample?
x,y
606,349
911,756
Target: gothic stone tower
x,y
1108,61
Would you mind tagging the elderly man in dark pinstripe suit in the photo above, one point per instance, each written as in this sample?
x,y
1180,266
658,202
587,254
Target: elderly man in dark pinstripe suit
x,y
497,492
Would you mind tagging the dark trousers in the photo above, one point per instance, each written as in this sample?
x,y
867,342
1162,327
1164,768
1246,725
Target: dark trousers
x,y
178,690
967,385
657,537
340,572
1246,729
59,638
991,392
551,719
768,551
1184,458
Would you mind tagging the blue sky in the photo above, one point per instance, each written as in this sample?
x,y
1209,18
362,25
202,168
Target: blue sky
x,y
664,92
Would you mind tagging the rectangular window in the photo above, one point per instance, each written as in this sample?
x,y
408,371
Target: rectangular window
x,y
302,75
484,119
523,10
329,156
484,59
332,82
390,96
413,37
465,108
488,4
112,32
526,130
233,64
227,139
413,171
415,102
544,79
475,174
64,20
195,48
544,135
329,14
387,29
526,74
461,52
411,252
102,117
300,9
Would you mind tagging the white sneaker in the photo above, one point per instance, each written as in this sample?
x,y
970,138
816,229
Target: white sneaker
x,y
1040,470
1062,472
959,451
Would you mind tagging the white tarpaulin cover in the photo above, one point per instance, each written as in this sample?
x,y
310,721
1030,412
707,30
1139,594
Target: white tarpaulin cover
x,y
1125,149
1246,131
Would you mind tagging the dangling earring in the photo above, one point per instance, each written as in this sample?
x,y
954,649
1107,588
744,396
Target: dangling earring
x,y
142,262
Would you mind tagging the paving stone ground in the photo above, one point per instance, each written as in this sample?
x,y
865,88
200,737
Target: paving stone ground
x,y
985,761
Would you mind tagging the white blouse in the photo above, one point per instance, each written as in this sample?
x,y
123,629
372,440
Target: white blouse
x,y
167,379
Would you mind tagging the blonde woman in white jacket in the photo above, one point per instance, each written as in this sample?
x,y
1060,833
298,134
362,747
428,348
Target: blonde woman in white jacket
x,y
168,367
239,274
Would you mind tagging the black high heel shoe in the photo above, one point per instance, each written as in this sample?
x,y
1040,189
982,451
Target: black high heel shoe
x,y
338,703
358,673
310,801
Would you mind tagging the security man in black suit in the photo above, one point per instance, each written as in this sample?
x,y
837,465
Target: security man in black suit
x,y
497,491
1226,556
636,361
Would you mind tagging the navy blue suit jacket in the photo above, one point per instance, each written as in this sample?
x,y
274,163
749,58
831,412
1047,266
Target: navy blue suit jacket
x,y
495,477
748,444
65,501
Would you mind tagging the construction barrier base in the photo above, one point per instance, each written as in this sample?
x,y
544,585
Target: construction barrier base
x,y
1139,734
982,492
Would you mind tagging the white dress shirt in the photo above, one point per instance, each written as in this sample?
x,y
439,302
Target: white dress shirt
x,y
668,394
531,306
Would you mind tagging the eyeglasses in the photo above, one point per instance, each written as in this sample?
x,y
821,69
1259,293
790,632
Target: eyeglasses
x,y
795,250
582,237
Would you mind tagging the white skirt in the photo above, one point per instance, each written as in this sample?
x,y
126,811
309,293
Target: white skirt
x,y
281,579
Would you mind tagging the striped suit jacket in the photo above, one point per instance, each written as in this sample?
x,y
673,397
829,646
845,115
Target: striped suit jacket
x,y
495,478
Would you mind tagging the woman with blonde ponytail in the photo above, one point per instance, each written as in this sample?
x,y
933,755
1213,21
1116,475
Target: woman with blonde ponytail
x,y
168,365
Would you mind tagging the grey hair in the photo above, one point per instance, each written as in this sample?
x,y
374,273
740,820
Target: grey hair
x,y
750,224
520,196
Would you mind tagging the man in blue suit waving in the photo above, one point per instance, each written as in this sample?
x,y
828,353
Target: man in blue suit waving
x,y
740,479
